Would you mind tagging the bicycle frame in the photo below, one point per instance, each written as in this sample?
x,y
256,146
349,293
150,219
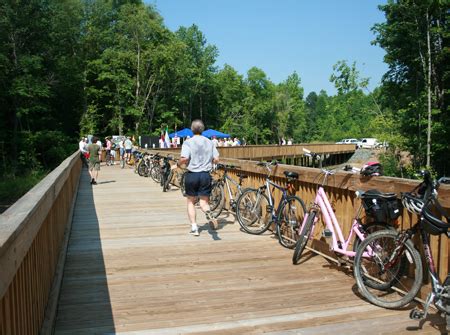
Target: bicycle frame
x,y
266,189
339,244
227,181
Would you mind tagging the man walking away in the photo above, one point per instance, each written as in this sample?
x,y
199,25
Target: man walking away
x,y
94,160
199,153
83,152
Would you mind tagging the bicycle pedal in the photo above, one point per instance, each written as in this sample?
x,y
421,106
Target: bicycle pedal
x,y
416,314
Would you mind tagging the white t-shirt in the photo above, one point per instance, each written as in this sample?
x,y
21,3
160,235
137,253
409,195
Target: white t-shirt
x,y
82,146
201,152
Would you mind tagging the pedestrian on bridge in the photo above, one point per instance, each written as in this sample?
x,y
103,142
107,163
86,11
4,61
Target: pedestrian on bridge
x,y
199,154
94,160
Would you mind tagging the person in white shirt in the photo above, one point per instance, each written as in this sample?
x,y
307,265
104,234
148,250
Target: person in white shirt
x,y
82,145
215,141
199,154
289,141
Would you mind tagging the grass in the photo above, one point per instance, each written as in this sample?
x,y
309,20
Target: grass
x,y
12,188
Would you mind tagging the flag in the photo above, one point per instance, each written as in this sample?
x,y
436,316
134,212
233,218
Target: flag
x,y
167,139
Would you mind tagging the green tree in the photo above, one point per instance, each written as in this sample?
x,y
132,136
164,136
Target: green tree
x,y
413,36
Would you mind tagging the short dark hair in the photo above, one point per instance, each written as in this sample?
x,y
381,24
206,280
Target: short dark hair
x,y
197,126
94,139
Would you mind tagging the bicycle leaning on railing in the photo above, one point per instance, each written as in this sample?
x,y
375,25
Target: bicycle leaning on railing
x,y
380,256
321,208
234,189
255,209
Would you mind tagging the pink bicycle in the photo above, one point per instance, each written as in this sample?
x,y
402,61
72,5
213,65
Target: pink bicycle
x,y
321,205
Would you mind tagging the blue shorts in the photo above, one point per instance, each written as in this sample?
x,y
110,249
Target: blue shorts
x,y
198,184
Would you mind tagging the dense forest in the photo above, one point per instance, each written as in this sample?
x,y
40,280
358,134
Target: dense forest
x,y
74,67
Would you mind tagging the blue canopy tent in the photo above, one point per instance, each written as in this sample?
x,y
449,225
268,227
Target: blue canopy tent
x,y
211,132
182,133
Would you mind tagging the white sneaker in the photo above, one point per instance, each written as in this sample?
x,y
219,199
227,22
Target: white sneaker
x,y
194,232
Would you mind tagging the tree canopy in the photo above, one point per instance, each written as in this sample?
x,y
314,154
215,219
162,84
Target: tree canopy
x,y
75,67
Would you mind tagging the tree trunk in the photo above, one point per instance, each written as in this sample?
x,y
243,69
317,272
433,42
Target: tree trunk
x,y
429,95
138,84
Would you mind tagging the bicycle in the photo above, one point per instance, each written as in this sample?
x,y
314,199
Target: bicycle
x,y
255,209
321,206
143,166
387,250
155,168
218,189
166,173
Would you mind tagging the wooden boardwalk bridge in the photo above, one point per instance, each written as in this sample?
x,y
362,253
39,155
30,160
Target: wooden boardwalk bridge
x,y
132,268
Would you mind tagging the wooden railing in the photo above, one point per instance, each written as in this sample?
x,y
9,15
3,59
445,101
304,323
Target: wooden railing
x,y
33,232
341,191
253,152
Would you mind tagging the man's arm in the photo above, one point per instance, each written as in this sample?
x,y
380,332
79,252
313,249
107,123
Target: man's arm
x,y
215,156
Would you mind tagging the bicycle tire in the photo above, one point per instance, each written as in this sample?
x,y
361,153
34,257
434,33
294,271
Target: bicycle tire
x,y
369,229
303,237
253,212
290,219
155,173
141,168
167,180
216,199
380,246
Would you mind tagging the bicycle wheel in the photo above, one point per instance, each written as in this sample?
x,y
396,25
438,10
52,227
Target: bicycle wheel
x,y
369,229
155,173
253,211
377,270
303,237
216,198
167,180
142,169
290,219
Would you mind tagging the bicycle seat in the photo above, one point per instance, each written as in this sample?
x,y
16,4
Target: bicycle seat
x,y
377,194
291,174
242,176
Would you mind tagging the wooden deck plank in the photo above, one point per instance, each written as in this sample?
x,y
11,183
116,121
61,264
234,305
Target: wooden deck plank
x,y
132,268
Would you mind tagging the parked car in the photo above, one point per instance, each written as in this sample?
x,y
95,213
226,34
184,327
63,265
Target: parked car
x,y
370,143
350,141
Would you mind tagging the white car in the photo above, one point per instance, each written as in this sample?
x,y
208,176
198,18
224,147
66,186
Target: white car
x,y
369,143
350,141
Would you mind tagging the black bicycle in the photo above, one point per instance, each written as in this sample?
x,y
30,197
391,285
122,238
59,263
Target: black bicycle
x,y
382,254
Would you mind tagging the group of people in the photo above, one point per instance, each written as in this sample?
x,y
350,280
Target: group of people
x,y
227,142
198,154
91,156
283,141
91,153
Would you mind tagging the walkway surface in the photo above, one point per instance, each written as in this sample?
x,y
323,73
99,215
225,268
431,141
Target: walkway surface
x,y
132,268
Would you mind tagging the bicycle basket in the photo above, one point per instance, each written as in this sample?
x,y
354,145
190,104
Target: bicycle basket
x,y
381,207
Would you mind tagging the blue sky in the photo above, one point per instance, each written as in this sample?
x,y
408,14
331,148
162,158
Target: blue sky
x,y
284,36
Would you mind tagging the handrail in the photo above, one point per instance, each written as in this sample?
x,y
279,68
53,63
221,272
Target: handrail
x,y
31,235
